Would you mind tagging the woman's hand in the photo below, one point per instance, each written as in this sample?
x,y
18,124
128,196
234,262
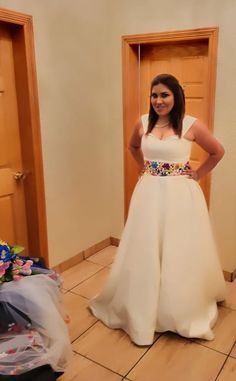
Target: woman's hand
x,y
192,175
135,144
199,133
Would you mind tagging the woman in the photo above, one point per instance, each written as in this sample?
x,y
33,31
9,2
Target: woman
x,y
166,276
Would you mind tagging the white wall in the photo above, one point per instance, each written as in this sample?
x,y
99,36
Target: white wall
x,y
78,52
70,41
137,16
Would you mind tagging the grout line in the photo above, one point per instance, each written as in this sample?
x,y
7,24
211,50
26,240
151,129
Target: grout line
x,y
84,280
82,296
232,349
95,263
228,308
76,293
212,349
122,375
148,349
64,291
87,329
97,363
221,368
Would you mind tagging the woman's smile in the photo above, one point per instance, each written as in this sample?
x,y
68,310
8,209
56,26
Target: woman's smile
x,y
162,99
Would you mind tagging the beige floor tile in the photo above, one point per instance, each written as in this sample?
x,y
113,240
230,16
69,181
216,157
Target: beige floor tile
x,y
80,317
104,257
78,273
93,285
228,373
233,352
230,300
224,331
82,369
110,348
178,359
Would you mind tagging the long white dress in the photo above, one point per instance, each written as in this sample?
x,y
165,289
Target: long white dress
x,y
166,275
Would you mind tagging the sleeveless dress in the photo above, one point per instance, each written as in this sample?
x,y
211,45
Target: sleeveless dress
x,y
166,275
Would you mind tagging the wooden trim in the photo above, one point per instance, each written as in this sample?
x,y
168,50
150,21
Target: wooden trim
x,y
130,101
229,276
169,37
14,17
83,255
212,59
130,63
68,263
29,124
115,241
97,247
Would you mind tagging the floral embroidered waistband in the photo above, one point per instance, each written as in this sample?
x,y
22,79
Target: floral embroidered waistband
x,y
160,168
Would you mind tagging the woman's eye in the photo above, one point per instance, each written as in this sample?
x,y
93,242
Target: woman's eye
x,y
164,95
161,95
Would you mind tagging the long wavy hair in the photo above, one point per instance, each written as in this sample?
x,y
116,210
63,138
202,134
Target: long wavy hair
x,y
178,110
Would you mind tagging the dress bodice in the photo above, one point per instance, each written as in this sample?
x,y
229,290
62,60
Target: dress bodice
x,y
170,149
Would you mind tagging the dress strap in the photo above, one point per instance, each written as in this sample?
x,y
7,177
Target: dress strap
x,y
144,120
187,123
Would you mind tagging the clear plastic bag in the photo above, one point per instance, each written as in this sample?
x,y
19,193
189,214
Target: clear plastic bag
x,y
46,342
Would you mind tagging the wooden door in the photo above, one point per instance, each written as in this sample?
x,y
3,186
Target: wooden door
x,y
190,56
22,200
189,63
13,226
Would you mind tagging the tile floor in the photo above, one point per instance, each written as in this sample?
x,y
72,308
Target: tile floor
x,y
102,354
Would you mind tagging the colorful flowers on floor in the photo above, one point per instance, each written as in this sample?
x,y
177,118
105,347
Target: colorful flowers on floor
x,y
12,267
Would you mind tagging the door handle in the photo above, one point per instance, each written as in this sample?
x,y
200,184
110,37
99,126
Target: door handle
x,y
19,176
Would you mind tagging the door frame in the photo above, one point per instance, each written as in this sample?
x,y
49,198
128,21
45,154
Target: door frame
x,y
21,26
130,65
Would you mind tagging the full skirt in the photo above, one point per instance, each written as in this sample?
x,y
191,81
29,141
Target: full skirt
x,y
166,275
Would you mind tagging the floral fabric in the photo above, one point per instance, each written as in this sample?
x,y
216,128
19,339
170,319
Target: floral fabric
x,y
158,168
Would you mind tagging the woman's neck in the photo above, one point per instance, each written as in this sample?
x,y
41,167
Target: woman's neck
x,y
163,120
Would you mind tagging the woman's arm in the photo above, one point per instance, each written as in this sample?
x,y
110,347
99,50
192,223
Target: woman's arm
x,y
135,144
202,136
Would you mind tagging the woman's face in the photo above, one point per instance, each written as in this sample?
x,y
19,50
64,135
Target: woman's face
x,y
162,99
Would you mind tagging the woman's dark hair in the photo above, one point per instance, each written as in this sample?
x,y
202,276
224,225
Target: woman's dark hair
x,y
178,110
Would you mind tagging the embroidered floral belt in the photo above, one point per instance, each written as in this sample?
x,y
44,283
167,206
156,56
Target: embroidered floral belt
x,y
160,168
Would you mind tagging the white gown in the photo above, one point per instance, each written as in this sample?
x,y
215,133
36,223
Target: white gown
x,y
166,275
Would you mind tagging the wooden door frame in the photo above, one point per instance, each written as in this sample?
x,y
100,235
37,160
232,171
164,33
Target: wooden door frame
x,y
21,26
130,66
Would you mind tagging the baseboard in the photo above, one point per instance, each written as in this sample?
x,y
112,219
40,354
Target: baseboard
x,y
70,262
229,276
115,241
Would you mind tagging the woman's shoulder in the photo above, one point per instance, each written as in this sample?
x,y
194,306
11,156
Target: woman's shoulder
x,y
188,122
144,121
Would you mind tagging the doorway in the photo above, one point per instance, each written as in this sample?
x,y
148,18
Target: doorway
x,y
190,56
22,199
